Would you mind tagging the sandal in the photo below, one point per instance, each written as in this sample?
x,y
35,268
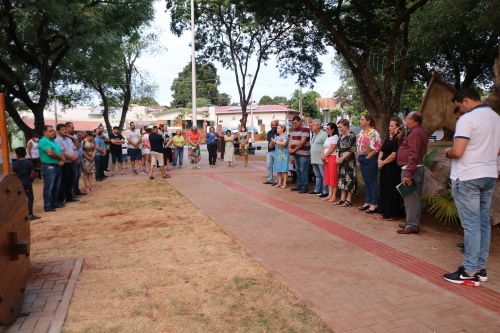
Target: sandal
x,y
339,202
346,204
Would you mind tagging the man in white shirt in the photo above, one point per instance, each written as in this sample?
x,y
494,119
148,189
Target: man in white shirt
x,y
134,139
475,150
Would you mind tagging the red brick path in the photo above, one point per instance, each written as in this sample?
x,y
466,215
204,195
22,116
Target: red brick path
x,y
354,270
48,294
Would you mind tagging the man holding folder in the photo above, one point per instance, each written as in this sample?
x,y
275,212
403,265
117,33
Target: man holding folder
x,y
410,157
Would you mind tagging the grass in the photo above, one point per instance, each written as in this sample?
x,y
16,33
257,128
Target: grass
x,y
168,270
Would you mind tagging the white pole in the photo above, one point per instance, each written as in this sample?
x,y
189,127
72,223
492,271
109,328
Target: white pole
x,y
193,66
251,119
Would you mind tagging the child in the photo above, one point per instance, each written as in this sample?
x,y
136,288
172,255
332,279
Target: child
x,y
25,171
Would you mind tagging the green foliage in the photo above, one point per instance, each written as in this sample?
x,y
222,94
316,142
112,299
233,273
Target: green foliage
x,y
37,36
242,42
200,103
443,208
265,100
370,36
456,38
223,99
430,158
206,86
310,108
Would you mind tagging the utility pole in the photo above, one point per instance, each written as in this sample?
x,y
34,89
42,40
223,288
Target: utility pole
x,y
193,66
251,109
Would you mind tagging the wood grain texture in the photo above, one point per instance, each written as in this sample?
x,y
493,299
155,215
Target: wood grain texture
x,y
14,224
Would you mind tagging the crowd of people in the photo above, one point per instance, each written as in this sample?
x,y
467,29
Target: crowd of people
x,y
393,170
333,153
66,159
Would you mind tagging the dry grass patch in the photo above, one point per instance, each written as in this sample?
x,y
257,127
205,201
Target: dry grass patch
x,y
155,263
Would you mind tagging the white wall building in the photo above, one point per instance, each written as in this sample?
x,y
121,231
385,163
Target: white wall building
x,y
258,116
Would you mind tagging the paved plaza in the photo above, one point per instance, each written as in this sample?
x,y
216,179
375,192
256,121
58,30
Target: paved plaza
x,y
354,270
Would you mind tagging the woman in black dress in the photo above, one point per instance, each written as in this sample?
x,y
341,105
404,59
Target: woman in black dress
x,y
391,202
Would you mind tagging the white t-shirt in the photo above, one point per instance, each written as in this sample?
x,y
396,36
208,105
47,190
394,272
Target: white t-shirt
x,y
34,149
331,140
133,136
481,126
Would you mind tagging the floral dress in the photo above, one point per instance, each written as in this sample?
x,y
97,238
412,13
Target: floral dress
x,y
347,180
88,165
281,155
243,140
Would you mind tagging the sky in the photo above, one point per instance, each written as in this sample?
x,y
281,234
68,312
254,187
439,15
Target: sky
x,y
164,66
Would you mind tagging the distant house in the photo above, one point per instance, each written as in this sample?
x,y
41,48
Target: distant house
x,y
229,116
325,106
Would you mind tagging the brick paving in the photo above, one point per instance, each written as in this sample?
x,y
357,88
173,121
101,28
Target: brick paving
x,y
48,294
352,269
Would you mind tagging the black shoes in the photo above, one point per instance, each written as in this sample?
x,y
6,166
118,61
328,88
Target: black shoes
x,y
483,277
302,191
323,195
314,193
34,217
49,210
461,277
294,189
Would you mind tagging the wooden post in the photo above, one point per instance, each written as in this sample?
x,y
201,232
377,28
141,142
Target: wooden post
x,y
4,138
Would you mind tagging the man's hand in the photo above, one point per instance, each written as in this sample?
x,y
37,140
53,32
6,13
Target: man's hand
x,y
443,154
380,164
61,163
407,181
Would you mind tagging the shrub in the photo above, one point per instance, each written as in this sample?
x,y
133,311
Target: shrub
x,y
443,208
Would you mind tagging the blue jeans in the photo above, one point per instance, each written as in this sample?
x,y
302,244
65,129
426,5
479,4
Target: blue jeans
x,y
369,171
99,167
319,174
302,169
473,201
178,155
51,175
269,164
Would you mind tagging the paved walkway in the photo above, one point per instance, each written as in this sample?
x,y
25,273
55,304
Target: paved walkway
x,y
352,269
48,294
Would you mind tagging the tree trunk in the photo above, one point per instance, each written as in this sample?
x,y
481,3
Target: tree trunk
x,y
105,103
244,115
11,110
127,96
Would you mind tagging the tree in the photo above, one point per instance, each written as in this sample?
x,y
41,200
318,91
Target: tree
x,y
242,42
223,99
364,33
109,68
144,91
311,109
280,100
36,36
207,82
463,44
266,100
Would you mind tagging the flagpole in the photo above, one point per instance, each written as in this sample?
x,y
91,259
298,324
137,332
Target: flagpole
x,y
193,66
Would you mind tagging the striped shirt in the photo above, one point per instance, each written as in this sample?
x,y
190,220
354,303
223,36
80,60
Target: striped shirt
x,y
296,134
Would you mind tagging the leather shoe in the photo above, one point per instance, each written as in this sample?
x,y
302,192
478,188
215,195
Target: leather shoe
x,y
267,182
294,189
402,225
303,191
408,230
49,210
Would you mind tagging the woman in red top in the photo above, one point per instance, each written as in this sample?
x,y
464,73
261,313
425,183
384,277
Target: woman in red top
x,y
194,138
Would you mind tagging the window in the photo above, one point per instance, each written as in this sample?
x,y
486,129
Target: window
x,y
259,122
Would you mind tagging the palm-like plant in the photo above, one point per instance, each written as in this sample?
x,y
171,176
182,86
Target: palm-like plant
x,y
443,207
